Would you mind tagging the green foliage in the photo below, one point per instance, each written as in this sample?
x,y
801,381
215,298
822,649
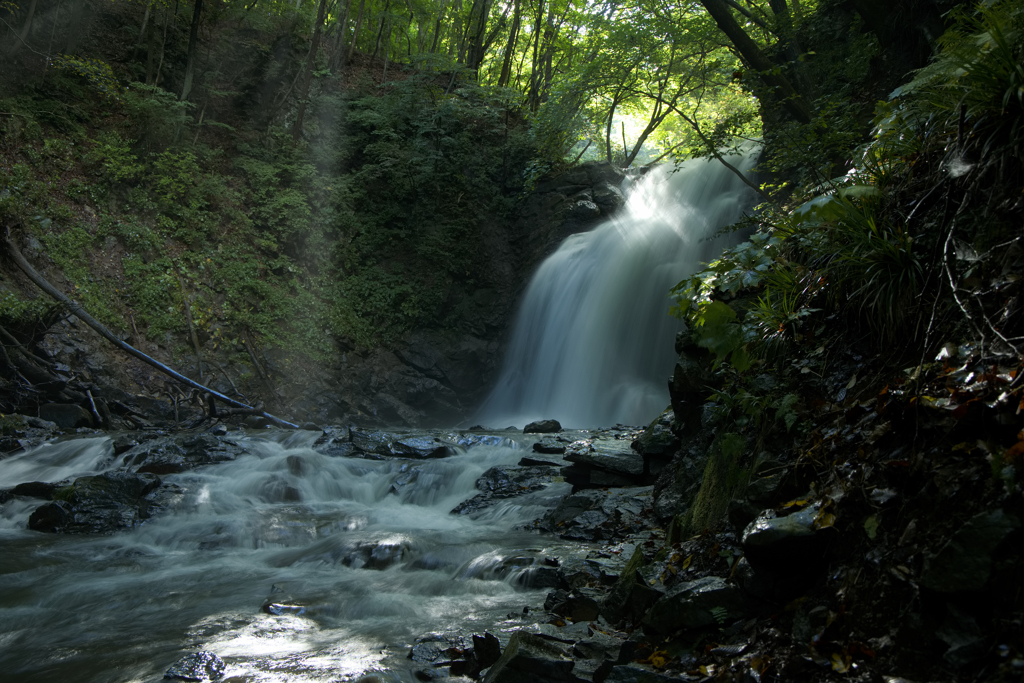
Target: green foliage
x,y
155,116
14,309
979,75
98,73
112,155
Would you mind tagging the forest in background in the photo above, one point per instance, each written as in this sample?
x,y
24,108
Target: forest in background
x,y
297,180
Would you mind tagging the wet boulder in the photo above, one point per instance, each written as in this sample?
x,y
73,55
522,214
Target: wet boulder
x,y
199,666
595,514
504,482
658,443
336,442
487,649
784,544
422,447
549,446
573,605
99,504
180,453
631,596
530,658
375,555
542,427
36,489
692,605
637,673
603,462
608,196
375,445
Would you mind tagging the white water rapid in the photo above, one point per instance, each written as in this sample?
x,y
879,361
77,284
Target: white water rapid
x,y
367,551
592,344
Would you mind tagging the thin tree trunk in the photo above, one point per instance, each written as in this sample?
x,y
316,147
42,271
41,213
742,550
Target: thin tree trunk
x,y
187,304
339,43
307,70
150,52
145,22
437,27
355,32
163,46
380,31
510,46
26,29
193,41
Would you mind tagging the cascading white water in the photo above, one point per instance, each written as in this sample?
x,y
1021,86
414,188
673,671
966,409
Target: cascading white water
x,y
368,553
592,344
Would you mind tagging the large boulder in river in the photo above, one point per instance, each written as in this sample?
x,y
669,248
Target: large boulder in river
x,y
99,504
172,454
505,482
542,427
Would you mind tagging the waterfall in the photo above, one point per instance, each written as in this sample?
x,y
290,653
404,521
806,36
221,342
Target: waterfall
x,y
592,344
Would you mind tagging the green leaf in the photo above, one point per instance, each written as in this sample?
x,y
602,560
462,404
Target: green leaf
x,y
871,526
732,445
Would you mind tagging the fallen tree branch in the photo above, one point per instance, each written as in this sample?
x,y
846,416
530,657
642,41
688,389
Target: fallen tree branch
x,y
79,312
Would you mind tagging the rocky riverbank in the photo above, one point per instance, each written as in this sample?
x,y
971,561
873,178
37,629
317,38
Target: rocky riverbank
x,y
868,551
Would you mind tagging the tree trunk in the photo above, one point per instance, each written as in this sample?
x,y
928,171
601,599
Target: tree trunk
x,y
339,43
355,32
26,29
533,96
782,89
437,27
380,31
193,41
307,70
151,52
477,30
510,46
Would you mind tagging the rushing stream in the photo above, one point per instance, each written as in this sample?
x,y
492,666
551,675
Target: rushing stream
x,y
592,342
365,551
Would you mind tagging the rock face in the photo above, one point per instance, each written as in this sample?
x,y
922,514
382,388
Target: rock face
x,y
351,442
104,503
504,482
66,415
602,462
695,605
179,453
964,563
593,515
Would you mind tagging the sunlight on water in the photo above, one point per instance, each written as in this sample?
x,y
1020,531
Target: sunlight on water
x,y
362,555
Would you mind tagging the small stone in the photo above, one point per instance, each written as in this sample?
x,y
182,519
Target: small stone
x,y
200,666
487,649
